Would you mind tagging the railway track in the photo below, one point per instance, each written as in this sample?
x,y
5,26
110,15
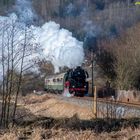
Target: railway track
x,y
101,100
104,100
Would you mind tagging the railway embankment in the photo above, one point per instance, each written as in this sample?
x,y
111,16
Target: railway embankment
x,y
105,108
58,106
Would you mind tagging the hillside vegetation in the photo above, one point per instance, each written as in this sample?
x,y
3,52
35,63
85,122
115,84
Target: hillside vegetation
x,y
5,5
90,18
120,59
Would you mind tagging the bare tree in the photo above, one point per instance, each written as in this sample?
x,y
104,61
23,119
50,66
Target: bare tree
x,y
125,51
16,59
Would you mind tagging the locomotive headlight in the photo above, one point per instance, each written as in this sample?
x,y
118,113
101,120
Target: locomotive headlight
x,y
73,86
84,86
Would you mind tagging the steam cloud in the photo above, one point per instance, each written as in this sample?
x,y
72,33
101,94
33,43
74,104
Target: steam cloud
x,y
58,45
25,12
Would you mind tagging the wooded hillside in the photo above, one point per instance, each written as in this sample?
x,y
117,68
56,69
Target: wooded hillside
x,y
90,19
5,5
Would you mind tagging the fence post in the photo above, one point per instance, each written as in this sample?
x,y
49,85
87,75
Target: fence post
x,y
95,102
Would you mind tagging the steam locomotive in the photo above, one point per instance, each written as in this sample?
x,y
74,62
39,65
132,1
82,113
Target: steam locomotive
x,y
74,80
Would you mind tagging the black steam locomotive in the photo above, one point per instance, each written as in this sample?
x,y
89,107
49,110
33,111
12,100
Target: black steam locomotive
x,y
75,81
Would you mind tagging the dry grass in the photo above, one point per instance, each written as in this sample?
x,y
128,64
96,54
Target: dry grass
x,y
65,134
58,109
33,99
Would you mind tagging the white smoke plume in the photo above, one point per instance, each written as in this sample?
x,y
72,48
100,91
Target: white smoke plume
x,y
25,12
58,45
90,28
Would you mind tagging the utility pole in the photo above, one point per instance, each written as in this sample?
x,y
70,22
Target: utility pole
x,y
87,2
94,91
92,71
92,77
